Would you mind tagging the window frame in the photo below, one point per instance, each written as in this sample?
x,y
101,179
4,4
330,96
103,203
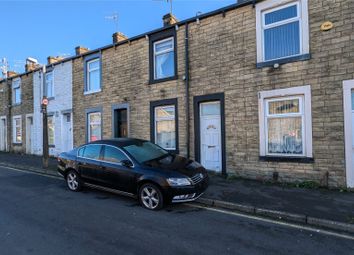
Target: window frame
x,y
92,111
16,84
53,121
161,53
265,97
52,85
270,6
90,59
14,126
268,116
164,103
158,37
84,149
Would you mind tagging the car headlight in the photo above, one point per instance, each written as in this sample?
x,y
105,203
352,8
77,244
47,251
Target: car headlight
x,y
179,181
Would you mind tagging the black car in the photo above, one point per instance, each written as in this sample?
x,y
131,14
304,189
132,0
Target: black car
x,y
135,168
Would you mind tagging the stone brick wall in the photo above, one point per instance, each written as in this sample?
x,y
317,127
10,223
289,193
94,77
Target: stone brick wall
x,y
26,107
223,59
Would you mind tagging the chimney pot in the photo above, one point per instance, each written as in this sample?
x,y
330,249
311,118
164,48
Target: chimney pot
x,y
52,60
81,50
118,37
169,19
31,64
11,74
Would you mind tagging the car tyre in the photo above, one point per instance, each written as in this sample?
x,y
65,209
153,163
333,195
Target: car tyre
x,y
73,181
150,197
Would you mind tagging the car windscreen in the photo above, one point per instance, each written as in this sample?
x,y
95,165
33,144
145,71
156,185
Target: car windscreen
x,y
145,151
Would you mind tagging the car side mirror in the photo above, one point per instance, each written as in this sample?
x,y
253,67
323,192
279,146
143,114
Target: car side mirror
x,y
127,163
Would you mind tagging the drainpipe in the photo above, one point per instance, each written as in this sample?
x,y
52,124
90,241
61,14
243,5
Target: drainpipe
x,y
187,89
9,115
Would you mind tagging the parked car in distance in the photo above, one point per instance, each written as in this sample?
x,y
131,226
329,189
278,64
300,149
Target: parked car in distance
x,y
135,168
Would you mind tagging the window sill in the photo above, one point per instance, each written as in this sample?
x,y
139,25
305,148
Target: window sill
x,y
18,104
163,80
92,92
284,60
286,159
51,146
50,98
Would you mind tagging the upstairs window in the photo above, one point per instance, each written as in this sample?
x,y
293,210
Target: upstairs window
x,y
282,30
49,85
16,92
164,59
93,76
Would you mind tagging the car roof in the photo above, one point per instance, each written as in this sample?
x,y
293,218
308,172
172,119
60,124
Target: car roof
x,y
119,142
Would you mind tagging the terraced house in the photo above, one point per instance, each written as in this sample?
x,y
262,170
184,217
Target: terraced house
x,y
56,85
258,89
16,127
254,89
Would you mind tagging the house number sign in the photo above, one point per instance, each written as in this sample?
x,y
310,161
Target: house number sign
x,y
326,26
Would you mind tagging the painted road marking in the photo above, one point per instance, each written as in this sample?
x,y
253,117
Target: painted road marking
x,y
292,225
257,218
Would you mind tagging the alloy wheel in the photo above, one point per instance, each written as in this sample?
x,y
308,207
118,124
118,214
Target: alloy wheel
x,y
150,197
72,181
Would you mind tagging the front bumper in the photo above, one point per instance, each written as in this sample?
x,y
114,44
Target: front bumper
x,y
187,193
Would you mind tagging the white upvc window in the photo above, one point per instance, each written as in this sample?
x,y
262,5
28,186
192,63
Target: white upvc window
x,y
165,126
51,131
16,91
282,29
93,76
17,129
94,126
49,85
285,122
164,58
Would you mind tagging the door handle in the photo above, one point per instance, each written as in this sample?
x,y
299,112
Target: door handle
x,y
211,146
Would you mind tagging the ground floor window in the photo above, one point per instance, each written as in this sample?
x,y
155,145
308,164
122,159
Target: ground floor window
x,y
51,130
285,122
94,127
164,124
17,129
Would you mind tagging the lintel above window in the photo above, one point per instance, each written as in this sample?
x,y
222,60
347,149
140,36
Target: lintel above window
x,y
282,31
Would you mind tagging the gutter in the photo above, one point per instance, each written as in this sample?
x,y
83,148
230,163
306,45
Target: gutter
x,y
187,88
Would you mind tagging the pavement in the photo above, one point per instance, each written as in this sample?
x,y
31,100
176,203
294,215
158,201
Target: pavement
x,y
332,209
39,215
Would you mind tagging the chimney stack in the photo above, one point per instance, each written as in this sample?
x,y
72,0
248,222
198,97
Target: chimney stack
x,y
118,37
80,50
52,60
11,74
169,19
31,64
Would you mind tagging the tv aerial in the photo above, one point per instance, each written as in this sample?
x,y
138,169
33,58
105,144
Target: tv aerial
x,y
114,18
168,1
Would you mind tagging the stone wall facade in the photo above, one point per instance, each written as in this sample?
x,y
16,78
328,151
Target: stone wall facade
x,y
223,58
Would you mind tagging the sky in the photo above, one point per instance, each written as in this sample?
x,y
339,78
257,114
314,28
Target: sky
x,y
41,28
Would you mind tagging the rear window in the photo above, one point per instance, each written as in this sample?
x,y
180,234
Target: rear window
x,y
92,151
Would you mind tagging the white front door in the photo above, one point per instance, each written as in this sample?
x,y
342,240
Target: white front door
x,y
3,140
67,133
348,102
29,135
210,136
